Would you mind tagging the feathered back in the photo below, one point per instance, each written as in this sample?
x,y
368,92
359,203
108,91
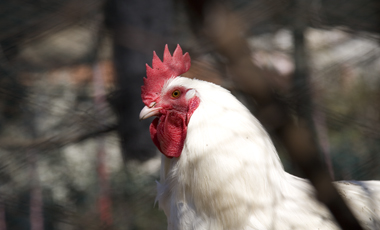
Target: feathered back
x,y
229,175
172,66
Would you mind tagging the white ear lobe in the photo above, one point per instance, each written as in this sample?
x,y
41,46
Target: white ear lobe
x,y
190,94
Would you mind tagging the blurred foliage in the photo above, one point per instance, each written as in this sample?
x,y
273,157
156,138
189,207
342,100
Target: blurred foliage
x,y
50,52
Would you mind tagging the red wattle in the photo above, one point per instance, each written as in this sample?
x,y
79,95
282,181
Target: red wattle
x,y
168,131
153,133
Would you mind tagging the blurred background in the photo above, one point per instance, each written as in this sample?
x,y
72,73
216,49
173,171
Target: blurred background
x,y
73,154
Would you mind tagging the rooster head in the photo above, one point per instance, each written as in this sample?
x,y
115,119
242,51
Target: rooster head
x,y
173,104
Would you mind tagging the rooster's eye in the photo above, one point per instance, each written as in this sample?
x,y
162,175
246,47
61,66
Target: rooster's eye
x,y
176,93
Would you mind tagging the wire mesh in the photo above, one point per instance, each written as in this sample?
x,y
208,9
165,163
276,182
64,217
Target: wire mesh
x,y
51,50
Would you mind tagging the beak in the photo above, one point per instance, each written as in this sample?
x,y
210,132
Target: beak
x,y
149,112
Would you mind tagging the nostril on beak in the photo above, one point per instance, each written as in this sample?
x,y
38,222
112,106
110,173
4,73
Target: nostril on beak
x,y
147,112
152,104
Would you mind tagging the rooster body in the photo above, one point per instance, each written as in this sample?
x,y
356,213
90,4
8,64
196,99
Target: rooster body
x,y
221,170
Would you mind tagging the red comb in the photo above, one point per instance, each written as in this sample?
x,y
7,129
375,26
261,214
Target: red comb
x,y
172,66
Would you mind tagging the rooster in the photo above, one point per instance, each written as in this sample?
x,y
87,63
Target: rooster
x,y
219,168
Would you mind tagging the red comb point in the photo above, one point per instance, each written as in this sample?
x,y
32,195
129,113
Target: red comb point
x,y
160,72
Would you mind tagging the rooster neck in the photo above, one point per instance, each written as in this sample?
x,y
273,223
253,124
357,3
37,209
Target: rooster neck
x,y
228,166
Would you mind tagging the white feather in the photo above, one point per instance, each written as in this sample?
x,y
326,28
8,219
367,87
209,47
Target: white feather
x,y
230,177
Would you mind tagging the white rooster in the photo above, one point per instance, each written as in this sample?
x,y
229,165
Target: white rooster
x,y
220,169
